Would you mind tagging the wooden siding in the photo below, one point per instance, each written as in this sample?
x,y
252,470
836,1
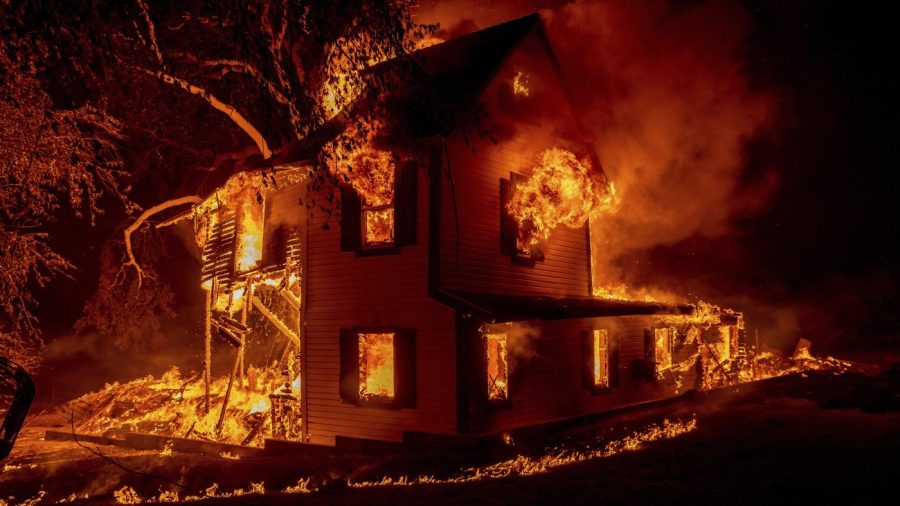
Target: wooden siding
x,y
471,256
546,382
343,291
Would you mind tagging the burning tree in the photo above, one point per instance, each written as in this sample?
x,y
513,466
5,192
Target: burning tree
x,y
203,91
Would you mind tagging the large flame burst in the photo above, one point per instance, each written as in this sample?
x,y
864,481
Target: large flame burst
x,y
372,175
562,190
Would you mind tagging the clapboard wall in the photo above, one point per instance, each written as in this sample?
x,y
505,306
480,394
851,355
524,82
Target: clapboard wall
x,y
546,378
345,290
519,127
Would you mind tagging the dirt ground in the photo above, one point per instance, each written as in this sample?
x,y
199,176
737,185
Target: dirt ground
x,y
807,438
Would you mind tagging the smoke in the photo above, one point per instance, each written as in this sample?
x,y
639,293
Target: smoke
x,y
521,339
666,93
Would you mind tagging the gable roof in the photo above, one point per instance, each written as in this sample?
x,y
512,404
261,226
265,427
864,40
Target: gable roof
x,y
432,91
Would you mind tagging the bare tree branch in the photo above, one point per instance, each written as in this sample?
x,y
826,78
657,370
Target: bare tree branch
x,y
229,110
132,261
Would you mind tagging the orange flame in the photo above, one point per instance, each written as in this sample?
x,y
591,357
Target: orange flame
x,y
497,367
561,191
376,366
250,240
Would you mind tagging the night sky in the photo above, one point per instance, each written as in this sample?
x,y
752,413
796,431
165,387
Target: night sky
x,y
813,253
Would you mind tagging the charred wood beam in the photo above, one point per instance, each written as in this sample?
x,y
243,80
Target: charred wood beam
x,y
276,321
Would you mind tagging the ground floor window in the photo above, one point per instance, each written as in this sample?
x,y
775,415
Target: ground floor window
x,y
600,358
378,367
497,366
663,339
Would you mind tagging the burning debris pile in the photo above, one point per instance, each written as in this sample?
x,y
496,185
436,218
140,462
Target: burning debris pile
x,y
711,344
173,405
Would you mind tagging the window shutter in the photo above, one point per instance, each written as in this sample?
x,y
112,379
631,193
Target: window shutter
x,y
350,219
349,349
405,368
507,223
613,361
405,204
587,359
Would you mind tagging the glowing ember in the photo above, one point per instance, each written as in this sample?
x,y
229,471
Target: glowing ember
x,y
376,366
526,465
172,405
561,191
497,367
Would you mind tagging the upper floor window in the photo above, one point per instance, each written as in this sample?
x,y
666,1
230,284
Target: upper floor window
x,y
381,224
377,225
516,239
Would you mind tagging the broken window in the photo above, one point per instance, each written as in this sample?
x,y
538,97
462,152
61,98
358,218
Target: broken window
x,y
600,358
663,347
497,366
376,366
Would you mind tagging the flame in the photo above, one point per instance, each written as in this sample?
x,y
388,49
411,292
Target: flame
x,y
250,242
520,84
528,465
371,173
497,366
376,366
561,191
172,405
601,358
379,227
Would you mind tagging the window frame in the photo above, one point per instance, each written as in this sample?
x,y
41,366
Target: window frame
x,y
404,340
405,211
497,403
364,208
510,230
612,361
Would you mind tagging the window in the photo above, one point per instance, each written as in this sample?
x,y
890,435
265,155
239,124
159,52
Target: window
x,y
663,347
378,367
600,358
378,228
515,238
497,366
378,225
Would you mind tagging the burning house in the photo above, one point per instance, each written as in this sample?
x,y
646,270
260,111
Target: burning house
x,y
457,297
